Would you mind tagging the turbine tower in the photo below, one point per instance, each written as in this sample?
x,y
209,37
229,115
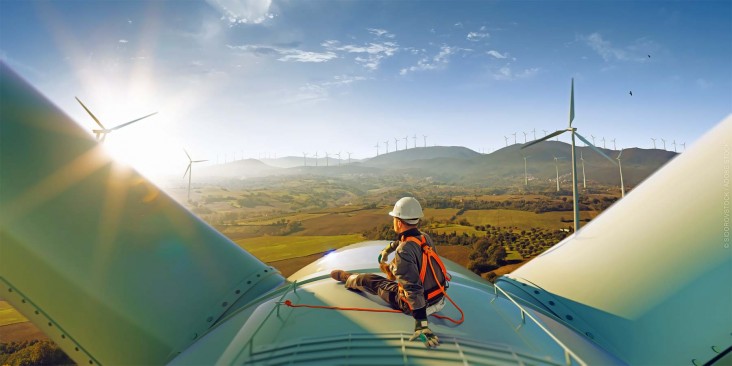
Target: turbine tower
x,y
664,143
304,159
684,145
524,136
526,173
622,185
614,148
377,148
415,140
573,131
674,143
316,158
593,139
534,132
584,179
506,137
327,156
338,154
349,158
396,144
387,146
556,166
514,138
603,143
425,140
102,134
189,171
654,142
406,142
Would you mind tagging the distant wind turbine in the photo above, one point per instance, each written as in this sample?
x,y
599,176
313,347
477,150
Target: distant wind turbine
x,y
415,140
396,144
526,172
534,132
524,136
102,134
654,143
514,138
613,140
304,159
556,166
593,139
377,148
545,132
406,142
506,137
603,143
425,140
664,143
387,146
684,145
584,180
573,132
189,171
327,156
316,158
339,158
349,158
622,185
674,143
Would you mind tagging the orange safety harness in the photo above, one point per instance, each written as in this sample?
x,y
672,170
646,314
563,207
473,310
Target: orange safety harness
x,y
427,256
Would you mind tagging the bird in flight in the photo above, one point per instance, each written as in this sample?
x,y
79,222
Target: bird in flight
x,y
631,93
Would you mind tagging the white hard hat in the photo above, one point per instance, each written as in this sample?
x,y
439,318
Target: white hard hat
x,y
407,209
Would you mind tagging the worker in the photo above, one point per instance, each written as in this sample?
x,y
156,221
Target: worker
x,y
412,286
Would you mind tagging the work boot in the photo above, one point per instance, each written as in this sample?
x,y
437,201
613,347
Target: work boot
x,y
340,275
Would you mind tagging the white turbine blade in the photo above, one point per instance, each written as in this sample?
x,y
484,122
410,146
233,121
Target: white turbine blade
x,y
547,137
621,153
189,157
198,161
90,113
187,169
571,105
131,122
595,148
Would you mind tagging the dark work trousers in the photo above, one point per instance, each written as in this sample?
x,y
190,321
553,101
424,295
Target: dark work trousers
x,y
381,287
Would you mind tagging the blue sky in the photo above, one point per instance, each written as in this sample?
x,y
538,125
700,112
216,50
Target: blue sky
x,y
258,78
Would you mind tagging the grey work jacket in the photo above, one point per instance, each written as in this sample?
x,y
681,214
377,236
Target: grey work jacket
x,y
406,266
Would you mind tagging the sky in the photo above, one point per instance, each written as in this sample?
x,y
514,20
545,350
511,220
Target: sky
x,y
271,78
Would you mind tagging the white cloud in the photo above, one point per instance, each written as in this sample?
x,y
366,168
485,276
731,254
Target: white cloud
x,y
497,54
506,73
475,36
438,61
243,11
636,52
122,41
370,56
286,54
380,32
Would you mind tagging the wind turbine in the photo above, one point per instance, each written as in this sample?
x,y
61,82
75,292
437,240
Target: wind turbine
x,y
102,134
349,158
573,131
339,158
189,171
524,136
326,158
506,137
304,159
377,148
514,138
664,143
674,143
584,179
396,144
654,142
614,148
622,185
425,140
545,132
415,140
684,145
534,132
556,166
593,139
603,143
406,142
387,146
316,158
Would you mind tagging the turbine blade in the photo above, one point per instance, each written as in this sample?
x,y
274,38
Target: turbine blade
x,y
547,137
131,122
90,113
187,169
621,153
595,148
189,157
198,161
571,105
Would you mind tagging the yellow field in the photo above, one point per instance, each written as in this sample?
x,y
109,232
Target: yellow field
x,y
8,315
523,219
438,213
458,229
273,248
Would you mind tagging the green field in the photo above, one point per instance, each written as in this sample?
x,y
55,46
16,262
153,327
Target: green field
x,y
458,229
273,248
524,220
8,315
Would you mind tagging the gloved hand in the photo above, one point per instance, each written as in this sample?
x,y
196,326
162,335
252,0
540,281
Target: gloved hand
x,y
424,334
387,271
384,254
